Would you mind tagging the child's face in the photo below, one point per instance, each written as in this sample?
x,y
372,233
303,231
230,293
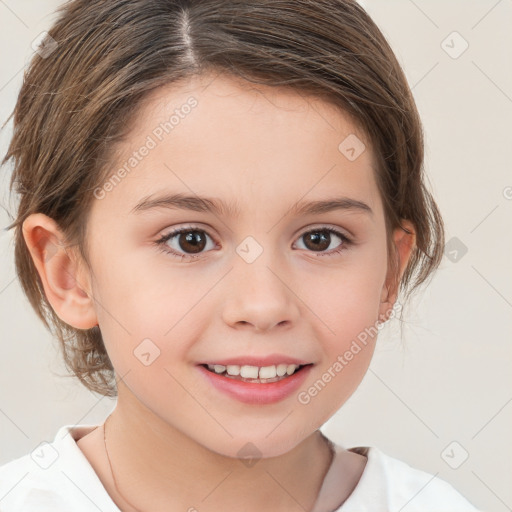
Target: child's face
x,y
299,299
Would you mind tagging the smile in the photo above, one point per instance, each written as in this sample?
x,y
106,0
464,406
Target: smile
x,y
256,385
248,373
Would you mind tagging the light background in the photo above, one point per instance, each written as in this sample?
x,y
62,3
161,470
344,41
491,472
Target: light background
x,y
452,381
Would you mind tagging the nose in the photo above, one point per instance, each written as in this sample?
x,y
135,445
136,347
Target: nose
x,y
259,297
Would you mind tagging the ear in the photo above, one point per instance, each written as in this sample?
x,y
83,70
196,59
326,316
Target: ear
x,y
67,288
404,243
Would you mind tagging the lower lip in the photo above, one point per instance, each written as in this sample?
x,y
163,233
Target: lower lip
x,y
254,393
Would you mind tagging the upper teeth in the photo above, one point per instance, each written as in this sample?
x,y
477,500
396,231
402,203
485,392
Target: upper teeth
x,y
254,372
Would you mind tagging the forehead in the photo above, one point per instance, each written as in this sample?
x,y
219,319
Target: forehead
x,y
226,137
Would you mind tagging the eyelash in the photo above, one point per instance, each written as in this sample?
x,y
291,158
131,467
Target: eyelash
x,y
161,243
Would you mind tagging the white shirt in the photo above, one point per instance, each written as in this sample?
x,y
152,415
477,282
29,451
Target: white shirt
x,y
57,477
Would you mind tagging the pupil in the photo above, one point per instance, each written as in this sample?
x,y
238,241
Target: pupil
x,y
319,240
195,240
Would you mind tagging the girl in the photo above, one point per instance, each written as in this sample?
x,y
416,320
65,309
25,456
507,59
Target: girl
x,y
219,205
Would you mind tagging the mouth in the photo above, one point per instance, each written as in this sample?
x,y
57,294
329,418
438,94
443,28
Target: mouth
x,y
256,374
257,381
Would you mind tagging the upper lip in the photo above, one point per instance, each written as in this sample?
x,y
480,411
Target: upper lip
x,y
270,360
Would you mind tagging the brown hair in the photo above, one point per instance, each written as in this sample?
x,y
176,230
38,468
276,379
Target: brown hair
x,y
76,103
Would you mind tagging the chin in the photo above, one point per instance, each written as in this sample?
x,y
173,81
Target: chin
x,y
258,445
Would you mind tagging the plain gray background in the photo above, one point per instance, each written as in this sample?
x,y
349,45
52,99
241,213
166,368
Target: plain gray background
x,y
446,394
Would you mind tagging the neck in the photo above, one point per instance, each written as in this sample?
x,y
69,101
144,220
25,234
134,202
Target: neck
x,y
164,466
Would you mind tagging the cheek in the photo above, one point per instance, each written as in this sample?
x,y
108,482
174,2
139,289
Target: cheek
x,y
346,299
347,349
347,306
141,296
148,319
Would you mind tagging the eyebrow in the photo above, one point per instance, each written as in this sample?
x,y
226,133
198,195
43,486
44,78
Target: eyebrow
x,y
219,207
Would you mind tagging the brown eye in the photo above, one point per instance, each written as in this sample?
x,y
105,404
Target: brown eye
x,y
319,240
191,241
186,243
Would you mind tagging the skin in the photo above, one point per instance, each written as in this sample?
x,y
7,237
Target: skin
x,y
172,438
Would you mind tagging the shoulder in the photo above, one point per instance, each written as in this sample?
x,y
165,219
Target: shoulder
x,y
391,482
54,477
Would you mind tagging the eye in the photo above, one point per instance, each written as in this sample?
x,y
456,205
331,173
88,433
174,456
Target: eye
x,y
320,239
186,239
190,242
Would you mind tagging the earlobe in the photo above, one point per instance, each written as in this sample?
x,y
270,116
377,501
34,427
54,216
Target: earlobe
x,y
405,242
57,267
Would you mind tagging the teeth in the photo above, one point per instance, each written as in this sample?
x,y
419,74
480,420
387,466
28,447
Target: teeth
x,y
254,372
291,368
249,372
267,372
233,369
281,369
